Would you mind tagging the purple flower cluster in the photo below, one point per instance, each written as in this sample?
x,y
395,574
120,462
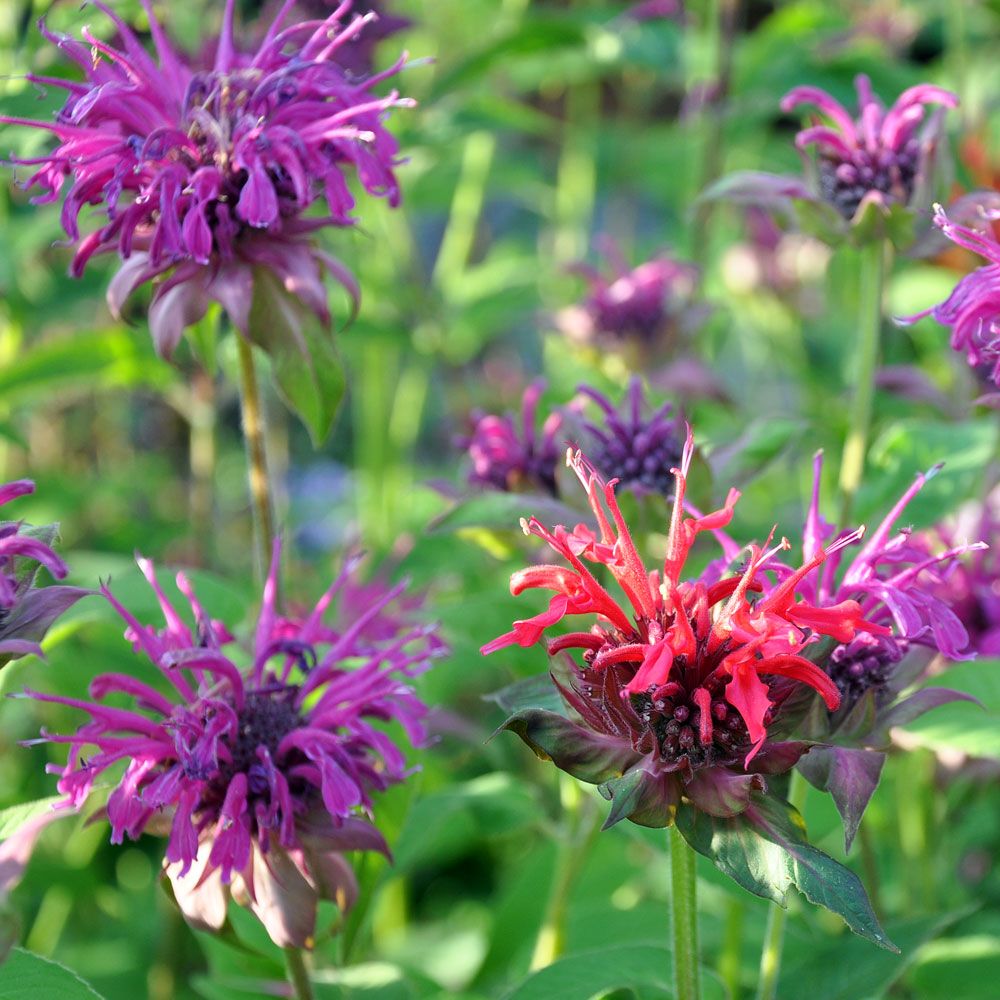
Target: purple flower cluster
x,y
642,304
204,176
639,452
877,156
263,769
973,308
504,458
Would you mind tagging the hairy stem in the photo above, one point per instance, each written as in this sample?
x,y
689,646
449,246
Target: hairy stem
x,y
872,261
254,430
298,975
684,917
774,933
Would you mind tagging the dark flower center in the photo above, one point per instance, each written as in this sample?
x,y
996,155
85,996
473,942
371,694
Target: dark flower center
x,y
640,458
844,182
666,719
866,663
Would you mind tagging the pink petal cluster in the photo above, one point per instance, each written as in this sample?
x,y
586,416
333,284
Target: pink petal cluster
x,y
876,155
262,769
203,176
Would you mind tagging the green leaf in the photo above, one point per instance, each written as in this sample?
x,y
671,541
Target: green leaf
x,y
639,967
307,370
532,692
847,969
27,976
14,817
504,511
962,727
762,442
574,749
907,447
765,851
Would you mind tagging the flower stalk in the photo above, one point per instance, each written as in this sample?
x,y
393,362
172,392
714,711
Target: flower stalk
x,y
684,917
872,265
298,975
254,432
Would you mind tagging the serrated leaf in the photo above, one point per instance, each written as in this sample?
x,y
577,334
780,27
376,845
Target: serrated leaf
x,y
27,976
14,817
765,851
307,370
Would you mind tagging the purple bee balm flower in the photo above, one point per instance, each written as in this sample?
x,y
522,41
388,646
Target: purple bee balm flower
x,y
205,176
877,156
973,308
644,304
262,774
638,452
971,586
26,611
504,458
894,578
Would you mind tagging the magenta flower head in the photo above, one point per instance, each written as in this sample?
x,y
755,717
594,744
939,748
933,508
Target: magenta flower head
x,y
262,772
205,179
896,580
644,307
27,611
876,157
971,585
973,308
640,452
869,172
514,460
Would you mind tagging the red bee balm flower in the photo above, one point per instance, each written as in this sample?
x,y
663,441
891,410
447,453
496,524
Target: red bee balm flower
x,y
680,688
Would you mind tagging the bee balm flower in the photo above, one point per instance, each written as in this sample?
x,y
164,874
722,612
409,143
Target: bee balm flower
x,y
264,773
675,689
205,177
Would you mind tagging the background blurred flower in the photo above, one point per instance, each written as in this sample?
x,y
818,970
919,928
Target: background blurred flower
x,y
639,451
263,774
504,458
646,304
27,611
205,176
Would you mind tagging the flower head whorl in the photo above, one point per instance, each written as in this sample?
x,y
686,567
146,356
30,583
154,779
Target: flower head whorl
x,y
251,761
640,452
206,175
877,155
505,458
687,674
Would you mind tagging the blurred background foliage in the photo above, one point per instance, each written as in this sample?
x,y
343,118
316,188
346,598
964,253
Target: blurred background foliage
x,y
541,124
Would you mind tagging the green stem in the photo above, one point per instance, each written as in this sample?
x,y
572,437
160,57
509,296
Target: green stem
x,y
872,264
774,933
254,431
684,917
572,851
298,975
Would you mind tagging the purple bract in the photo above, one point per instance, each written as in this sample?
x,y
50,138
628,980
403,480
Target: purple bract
x,y
205,176
262,769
